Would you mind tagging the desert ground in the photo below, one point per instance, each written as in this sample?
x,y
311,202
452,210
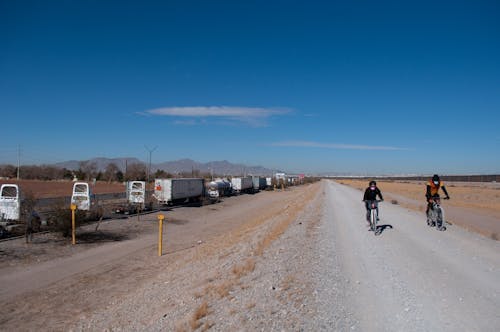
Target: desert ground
x,y
301,259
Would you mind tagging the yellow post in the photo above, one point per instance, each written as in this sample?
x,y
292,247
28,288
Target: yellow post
x,y
73,237
160,233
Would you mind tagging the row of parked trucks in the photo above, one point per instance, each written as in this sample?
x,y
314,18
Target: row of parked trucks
x,y
166,192
173,191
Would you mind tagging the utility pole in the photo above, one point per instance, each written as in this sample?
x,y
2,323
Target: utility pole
x,y
18,159
150,153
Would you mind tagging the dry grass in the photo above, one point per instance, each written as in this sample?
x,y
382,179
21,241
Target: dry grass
x,y
200,312
221,290
207,326
251,305
287,283
247,267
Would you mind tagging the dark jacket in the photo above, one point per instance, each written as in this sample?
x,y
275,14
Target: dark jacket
x,y
371,195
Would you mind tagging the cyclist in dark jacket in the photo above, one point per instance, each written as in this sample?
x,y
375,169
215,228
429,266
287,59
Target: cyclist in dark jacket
x,y
370,195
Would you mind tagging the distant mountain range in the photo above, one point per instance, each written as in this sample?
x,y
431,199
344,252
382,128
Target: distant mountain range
x,y
223,167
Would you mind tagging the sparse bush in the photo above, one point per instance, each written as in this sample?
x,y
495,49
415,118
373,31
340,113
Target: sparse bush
x,y
27,205
395,202
60,220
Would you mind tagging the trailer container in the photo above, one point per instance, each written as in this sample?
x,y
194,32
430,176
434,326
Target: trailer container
x,y
259,183
172,191
242,184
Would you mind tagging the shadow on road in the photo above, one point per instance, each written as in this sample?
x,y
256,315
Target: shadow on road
x,y
381,228
176,221
96,237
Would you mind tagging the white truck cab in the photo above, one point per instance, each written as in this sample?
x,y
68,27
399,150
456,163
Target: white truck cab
x,y
136,192
10,202
81,196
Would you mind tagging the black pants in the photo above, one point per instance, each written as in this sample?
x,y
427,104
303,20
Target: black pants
x,y
429,204
368,205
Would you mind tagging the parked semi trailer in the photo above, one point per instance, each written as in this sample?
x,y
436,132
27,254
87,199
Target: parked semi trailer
x,y
172,191
242,184
259,183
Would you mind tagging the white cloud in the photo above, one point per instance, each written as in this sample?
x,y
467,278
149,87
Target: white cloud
x,y
249,115
309,144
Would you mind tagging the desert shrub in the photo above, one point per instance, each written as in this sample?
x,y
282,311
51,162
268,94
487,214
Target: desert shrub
x,y
60,220
27,205
394,202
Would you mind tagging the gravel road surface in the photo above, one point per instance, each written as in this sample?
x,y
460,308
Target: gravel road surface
x,y
411,277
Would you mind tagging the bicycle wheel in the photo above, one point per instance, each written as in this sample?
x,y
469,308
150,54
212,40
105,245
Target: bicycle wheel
x,y
431,216
439,220
373,220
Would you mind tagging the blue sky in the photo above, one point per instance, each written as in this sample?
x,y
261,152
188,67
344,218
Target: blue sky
x,y
363,87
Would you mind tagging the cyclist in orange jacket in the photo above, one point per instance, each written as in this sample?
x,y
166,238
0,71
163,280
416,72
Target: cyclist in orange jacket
x,y
433,191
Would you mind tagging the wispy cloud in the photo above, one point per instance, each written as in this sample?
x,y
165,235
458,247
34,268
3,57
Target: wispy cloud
x,y
309,144
248,115
188,122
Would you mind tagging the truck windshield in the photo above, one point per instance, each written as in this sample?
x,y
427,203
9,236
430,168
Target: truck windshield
x,y
9,192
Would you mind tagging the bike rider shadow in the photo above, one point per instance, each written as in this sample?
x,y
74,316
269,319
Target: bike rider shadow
x,y
381,228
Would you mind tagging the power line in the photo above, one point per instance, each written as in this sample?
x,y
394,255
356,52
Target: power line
x,y
18,159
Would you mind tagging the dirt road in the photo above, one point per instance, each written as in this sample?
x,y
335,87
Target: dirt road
x,y
300,259
411,277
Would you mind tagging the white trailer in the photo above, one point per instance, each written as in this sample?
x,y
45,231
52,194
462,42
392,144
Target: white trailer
x,y
136,192
171,191
243,184
259,183
10,202
81,196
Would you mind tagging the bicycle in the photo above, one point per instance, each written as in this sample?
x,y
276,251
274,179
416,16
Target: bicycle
x,y
373,215
435,215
